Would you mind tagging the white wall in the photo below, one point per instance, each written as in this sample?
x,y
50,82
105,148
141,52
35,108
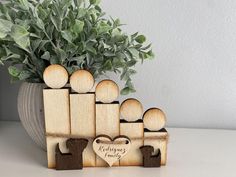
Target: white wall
x,y
194,75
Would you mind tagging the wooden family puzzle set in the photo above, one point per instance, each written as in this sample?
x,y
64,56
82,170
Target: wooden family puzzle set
x,y
86,128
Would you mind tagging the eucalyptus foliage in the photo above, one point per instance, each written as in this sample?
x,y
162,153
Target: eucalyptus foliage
x,y
72,33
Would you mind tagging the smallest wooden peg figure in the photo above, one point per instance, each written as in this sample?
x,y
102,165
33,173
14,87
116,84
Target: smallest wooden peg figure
x,y
150,160
154,119
74,159
155,134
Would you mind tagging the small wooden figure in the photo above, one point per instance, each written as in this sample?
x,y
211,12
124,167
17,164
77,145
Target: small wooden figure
x,y
131,111
55,76
155,135
82,81
154,119
56,100
82,109
107,91
107,112
150,160
56,108
74,159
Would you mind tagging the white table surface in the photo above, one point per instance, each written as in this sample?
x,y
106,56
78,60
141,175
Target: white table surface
x,y
191,153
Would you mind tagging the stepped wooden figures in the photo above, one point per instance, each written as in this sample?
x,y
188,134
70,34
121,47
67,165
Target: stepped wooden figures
x,y
80,123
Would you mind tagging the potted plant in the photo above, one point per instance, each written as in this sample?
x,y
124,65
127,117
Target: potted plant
x,y
72,33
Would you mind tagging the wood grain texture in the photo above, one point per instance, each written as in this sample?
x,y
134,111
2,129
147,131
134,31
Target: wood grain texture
x,y
131,110
158,140
82,81
55,76
51,147
154,119
111,150
107,91
82,108
56,110
107,123
134,156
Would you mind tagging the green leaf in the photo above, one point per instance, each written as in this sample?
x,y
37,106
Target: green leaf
x,y
127,90
20,36
61,54
107,65
151,54
24,75
78,27
56,22
5,28
134,35
94,2
40,24
103,28
13,71
46,56
67,35
54,60
78,2
134,52
140,39
91,49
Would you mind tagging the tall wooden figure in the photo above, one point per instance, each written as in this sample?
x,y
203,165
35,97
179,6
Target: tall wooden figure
x,y
82,107
107,113
56,109
155,134
131,111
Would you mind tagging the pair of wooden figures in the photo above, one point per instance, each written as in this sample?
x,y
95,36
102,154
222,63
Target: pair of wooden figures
x,y
77,112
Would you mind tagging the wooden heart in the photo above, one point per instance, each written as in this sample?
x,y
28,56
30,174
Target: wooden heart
x,y
111,150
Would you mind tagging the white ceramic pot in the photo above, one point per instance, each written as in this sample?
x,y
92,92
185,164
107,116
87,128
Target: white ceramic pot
x,y
30,109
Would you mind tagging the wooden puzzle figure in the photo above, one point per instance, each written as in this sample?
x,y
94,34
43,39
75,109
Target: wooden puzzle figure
x,y
107,112
82,111
56,109
155,134
74,159
131,125
150,160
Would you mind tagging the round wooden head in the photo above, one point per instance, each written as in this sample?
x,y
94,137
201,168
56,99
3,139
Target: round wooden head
x,y
131,110
154,119
81,81
107,91
55,76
